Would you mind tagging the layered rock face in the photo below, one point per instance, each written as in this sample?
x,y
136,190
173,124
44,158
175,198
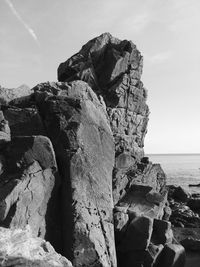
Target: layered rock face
x,y
77,124
29,180
113,69
72,165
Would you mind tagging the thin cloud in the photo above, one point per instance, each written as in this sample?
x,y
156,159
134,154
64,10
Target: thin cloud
x,y
27,27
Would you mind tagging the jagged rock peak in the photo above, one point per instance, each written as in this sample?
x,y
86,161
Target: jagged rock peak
x,y
102,56
113,70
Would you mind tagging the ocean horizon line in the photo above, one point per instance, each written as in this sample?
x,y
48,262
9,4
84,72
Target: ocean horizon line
x,y
170,154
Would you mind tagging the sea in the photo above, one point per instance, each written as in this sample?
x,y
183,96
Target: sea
x,y
180,169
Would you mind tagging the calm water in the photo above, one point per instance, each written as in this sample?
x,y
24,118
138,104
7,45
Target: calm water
x,y
181,169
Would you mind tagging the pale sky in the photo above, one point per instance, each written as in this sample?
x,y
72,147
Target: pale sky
x,y
37,35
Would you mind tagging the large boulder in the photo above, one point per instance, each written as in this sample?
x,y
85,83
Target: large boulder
x,y
78,126
138,234
113,69
18,247
28,187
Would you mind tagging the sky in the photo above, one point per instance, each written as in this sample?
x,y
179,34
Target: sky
x,y
36,36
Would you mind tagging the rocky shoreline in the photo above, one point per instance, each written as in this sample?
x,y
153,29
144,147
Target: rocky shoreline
x,y
74,173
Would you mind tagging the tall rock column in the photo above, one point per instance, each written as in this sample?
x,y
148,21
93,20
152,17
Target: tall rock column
x,y
113,69
77,124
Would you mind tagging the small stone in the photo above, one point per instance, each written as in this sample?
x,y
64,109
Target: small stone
x,y
154,197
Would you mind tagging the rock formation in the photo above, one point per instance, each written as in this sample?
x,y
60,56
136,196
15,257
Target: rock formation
x,y
113,69
20,248
7,95
77,124
73,163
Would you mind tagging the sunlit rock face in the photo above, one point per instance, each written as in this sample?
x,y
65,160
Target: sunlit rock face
x,y
18,247
77,123
72,165
28,186
113,69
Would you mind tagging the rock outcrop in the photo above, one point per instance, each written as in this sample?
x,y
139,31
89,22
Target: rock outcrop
x,y
73,163
20,248
113,69
77,124
29,180
23,121
7,95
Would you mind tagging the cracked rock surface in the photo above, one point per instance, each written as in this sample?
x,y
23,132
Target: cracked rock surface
x,y
72,165
77,124
28,177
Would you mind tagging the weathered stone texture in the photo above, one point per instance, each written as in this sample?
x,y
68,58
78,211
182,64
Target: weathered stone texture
x,y
113,69
17,94
24,122
76,122
28,182
18,247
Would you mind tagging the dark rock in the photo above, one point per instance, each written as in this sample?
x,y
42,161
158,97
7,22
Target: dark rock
x,y
138,234
145,160
182,215
28,187
77,124
172,255
140,258
194,203
113,69
162,232
181,194
194,185
190,243
153,252
24,122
